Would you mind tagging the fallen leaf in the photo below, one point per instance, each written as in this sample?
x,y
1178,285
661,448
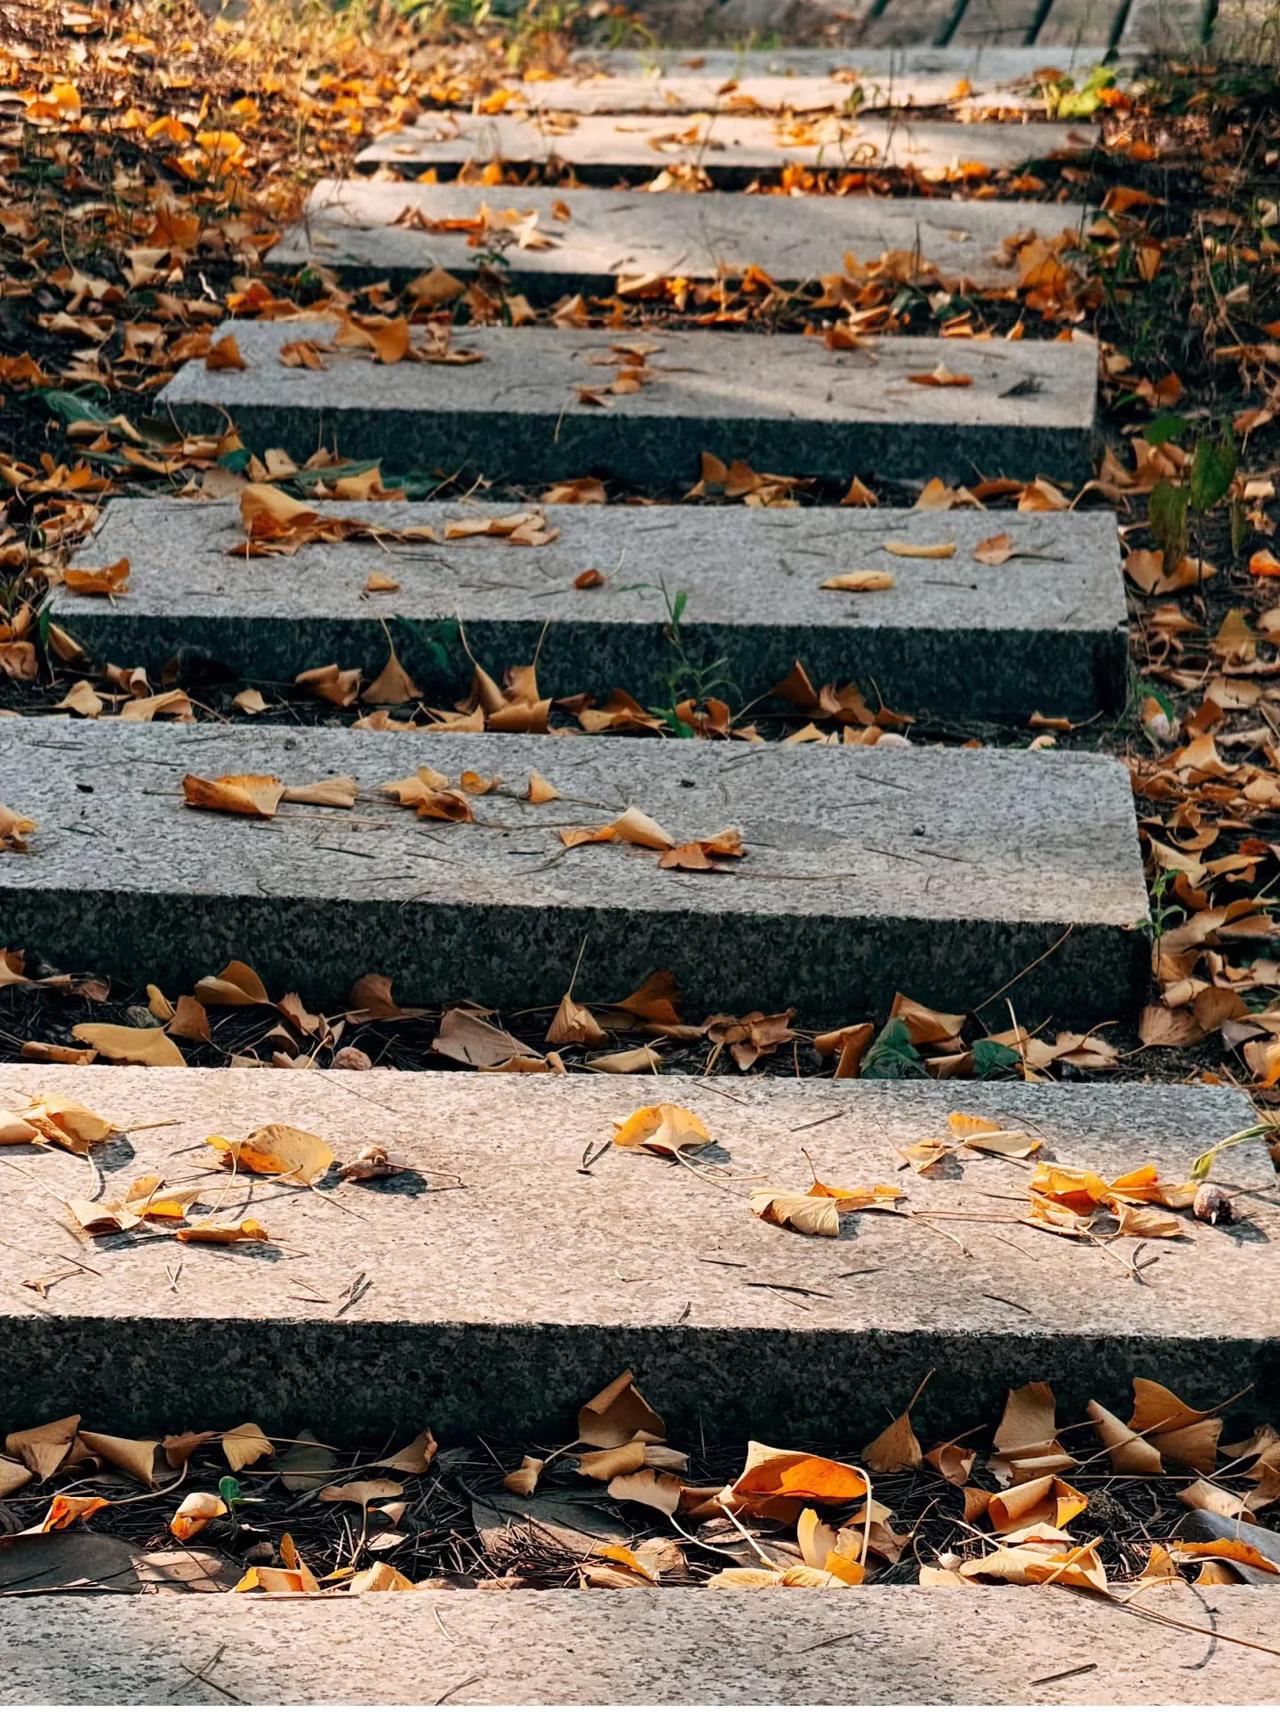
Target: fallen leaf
x,y
895,1449
277,1150
124,1045
941,376
615,1415
108,580
256,794
135,1456
860,582
921,550
665,1129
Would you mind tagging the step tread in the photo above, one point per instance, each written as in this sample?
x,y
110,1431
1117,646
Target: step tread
x,y
725,143
351,225
636,1262
901,1645
866,866
782,402
1051,626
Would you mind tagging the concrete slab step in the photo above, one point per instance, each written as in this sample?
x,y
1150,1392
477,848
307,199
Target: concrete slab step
x,y
944,873
497,1307
781,402
728,148
1049,623
931,1645
374,229
885,77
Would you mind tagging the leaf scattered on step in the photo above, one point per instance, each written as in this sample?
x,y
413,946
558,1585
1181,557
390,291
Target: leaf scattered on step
x,y
255,794
277,1150
860,582
664,1129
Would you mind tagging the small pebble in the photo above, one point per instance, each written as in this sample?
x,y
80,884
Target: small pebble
x,y
351,1058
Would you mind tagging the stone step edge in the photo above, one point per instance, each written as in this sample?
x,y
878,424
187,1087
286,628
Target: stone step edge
x,y
870,1645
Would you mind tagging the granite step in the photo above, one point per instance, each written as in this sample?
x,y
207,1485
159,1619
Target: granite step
x,y
730,149
371,229
942,872
1048,624
537,405
472,1324
901,1645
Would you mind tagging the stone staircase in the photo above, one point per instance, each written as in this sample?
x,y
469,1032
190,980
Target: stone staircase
x,y
956,874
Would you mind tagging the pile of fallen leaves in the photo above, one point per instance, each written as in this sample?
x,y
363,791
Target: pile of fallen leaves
x,y
231,1019
1152,1499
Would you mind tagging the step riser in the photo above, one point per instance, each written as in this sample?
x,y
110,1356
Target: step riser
x,y
1048,624
527,1381
783,403
1074,677
943,873
517,956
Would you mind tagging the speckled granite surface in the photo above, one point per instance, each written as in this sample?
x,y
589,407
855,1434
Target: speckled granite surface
x,y
505,1285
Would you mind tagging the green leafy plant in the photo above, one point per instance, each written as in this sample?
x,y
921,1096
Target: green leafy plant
x,y
1174,507
1064,100
892,1056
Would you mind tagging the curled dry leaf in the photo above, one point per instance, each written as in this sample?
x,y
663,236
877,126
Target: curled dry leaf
x,y
635,1060
414,1458
540,790
632,827
666,1130
779,1483
108,580
941,376
860,582
124,1045
953,1462
380,1578
615,1415
277,1150
135,1456
921,549
248,1230
1026,1439
225,354
62,1121
195,1513
15,829
362,1492
573,1024
255,794
703,854
895,1449
372,1161
235,985
338,792
811,1215
44,1449
649,1486
995,550
523,1481
331,683
1045,1501
1033,1564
